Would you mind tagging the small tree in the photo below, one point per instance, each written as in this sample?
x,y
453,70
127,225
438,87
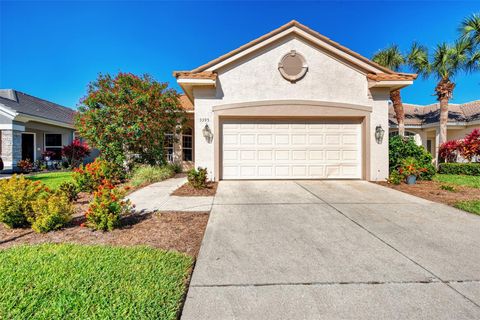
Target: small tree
x,y
127,115
75,152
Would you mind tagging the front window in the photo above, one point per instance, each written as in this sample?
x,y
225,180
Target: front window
x,y
53,143
169,146
187,144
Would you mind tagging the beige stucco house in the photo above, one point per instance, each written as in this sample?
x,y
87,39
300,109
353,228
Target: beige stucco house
x,y
291,104
423,123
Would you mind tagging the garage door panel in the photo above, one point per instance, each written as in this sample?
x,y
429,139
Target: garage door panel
x,y
287,150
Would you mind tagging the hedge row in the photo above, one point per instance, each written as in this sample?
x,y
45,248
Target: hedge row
x,y
471,168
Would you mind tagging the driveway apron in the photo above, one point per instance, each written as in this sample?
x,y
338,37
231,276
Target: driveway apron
x,y
334,250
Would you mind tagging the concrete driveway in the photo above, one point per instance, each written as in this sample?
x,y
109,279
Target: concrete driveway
x,y
334,250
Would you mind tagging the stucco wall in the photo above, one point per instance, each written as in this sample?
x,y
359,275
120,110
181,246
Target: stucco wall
x,y
256,78
40,129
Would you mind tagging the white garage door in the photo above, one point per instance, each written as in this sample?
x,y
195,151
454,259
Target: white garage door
x,y
266,149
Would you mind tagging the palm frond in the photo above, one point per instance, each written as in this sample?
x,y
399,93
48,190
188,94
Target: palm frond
x,y
417,59
390,57
470,29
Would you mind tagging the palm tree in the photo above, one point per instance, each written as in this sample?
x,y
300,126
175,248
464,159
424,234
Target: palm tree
x,y
392,58
470,29
445,63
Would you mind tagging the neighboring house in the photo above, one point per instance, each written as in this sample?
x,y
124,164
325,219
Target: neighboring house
x,y
422,122
291,104
30,125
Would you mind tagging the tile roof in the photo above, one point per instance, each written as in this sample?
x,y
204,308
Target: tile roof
x,y
421,115
185,103
26,104
195,75
392,77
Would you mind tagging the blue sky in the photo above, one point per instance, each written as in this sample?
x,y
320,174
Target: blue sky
x,y
53,49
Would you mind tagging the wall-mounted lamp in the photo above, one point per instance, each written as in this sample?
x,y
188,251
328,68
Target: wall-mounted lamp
x,y
379,133
207,133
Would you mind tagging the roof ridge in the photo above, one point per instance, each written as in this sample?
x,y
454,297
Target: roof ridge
x,y
56,104
292,23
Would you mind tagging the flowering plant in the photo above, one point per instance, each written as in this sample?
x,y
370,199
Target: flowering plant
x,y
107,207
411,167
90,176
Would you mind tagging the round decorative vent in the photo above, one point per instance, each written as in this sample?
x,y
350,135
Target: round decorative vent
x,y
293,66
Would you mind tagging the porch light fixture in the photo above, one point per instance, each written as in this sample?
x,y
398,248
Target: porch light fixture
x,y
207,133
379,132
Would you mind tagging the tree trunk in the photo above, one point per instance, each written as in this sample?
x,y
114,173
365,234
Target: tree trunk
x,y
444,92
399,112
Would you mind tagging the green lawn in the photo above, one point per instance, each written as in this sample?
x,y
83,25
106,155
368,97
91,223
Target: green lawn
x,y
472,206
52,179
66,281
461,180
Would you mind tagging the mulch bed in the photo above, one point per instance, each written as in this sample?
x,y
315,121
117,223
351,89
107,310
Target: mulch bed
x,y
180,231
188,191
430,190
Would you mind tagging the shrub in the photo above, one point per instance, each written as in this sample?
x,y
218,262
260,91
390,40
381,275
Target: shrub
x,y
75,152
69,189
401,148
395,177
470,146
16,197
25,166
198,178
89,177
51,212
107,207
145,174
470,169
48,154
448,150
411,167
176,167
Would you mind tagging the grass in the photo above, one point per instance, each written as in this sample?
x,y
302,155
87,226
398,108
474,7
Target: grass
x,y
52,179
472,206
144,175
461,180
66,281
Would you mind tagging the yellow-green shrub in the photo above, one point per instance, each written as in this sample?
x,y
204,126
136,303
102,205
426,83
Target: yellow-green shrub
x,y
51,212
16,197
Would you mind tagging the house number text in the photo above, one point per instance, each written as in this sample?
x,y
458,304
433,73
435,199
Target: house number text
x,y
204,120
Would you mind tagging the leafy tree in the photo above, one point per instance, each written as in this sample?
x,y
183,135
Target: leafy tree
x,y
126,117
392,58
447,61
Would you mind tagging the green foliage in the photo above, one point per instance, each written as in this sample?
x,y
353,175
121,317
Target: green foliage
x,y
90,176
395,177
460,180
176,167
145,174
129,115
197,178
410,166
69,189
51,212
67,281
52,179
390,57
16,197
402,148
447,187
107,207
470,169
472,206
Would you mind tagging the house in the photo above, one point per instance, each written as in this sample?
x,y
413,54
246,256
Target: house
x,y
30,125
423,122
292,104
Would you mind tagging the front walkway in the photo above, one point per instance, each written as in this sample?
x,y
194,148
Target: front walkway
x,y
156,197
334,250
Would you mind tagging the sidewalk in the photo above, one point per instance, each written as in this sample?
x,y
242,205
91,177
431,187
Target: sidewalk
x,y
156,197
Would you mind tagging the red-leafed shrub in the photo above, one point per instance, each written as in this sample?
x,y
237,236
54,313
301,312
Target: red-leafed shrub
x,y
470,146
449,150
107,207
75,152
